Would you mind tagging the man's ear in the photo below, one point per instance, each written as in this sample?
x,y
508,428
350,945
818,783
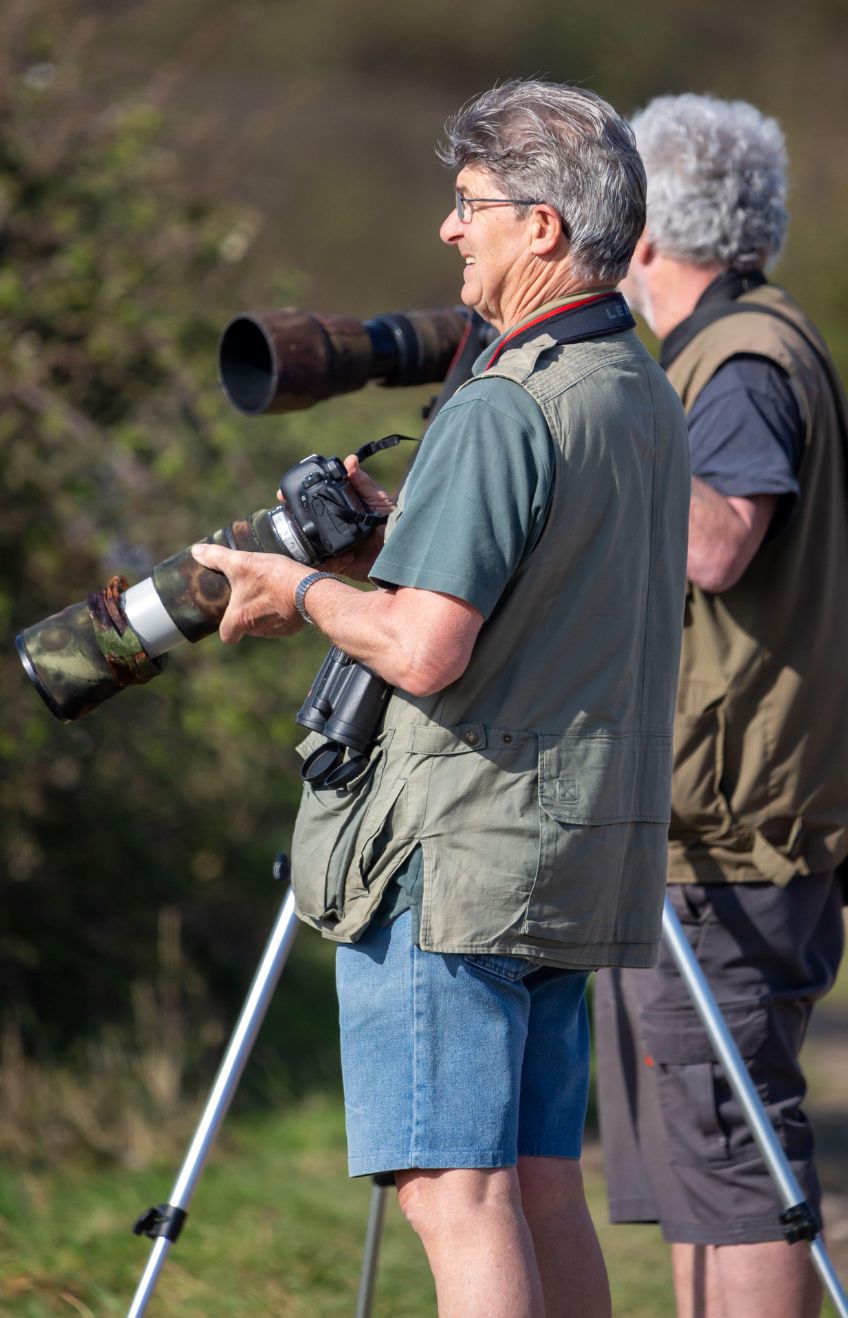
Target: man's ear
x,y
546,231
645,251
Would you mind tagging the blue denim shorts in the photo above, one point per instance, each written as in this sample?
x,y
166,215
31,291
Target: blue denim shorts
x,y
458,1061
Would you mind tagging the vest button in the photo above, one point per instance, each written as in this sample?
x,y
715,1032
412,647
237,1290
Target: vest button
x,y
507,737
471,738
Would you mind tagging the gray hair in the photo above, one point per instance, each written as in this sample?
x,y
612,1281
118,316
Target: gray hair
x,y
566,147
716,180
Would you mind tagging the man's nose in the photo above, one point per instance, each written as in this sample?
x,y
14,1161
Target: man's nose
x,y
451,230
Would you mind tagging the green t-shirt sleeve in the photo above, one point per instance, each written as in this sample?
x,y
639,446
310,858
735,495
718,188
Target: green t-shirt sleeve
x,y
476,498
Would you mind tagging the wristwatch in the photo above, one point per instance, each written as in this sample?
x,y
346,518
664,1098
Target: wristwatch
x,y
303,588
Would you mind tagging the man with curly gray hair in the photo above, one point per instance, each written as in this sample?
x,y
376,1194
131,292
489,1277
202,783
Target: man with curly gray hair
x,y
760,778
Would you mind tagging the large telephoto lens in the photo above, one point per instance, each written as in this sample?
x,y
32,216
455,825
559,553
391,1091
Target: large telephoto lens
x,y
285,360
120,636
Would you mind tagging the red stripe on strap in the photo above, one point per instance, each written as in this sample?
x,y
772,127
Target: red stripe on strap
x,y
540,320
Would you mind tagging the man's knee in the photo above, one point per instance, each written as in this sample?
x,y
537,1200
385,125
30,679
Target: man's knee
x,y
439,1201
550,1187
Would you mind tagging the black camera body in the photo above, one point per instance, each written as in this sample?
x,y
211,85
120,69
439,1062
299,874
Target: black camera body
x,y
323,515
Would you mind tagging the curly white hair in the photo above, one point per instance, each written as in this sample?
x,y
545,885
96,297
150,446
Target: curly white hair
x,y
716,180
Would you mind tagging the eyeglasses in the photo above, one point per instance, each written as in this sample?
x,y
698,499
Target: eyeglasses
x,y
463,204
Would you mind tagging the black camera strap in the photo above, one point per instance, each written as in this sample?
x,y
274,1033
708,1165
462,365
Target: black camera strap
x,y
594,317
388,441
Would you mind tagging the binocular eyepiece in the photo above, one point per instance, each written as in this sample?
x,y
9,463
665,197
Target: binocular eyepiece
x,y
286,360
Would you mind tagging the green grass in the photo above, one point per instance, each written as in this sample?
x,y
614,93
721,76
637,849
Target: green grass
x,y
276,1228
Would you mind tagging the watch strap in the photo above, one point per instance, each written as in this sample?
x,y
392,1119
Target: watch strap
x,y
303,587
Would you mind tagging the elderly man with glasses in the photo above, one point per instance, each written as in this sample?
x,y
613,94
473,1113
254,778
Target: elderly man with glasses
x,y
508,834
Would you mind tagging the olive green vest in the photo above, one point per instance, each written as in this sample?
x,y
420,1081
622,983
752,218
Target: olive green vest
x,y
538,783
760,784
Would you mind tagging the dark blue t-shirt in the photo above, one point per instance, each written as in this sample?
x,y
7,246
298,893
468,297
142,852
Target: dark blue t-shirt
x,y
746,433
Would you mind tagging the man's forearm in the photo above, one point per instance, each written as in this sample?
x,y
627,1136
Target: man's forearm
x,y
361,623
724,534
420,640
415,639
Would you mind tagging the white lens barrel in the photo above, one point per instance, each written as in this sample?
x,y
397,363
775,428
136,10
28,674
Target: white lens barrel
x,y
150,620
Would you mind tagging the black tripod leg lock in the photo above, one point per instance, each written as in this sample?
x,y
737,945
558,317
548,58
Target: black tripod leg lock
x,y
800,1223
163,1220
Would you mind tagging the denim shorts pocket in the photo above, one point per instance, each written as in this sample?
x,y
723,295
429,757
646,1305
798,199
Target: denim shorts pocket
x,y
504,967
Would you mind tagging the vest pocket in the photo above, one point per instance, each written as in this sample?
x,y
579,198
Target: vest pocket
x,y
605,779
473,803
326,831
699,808
604,816
380,827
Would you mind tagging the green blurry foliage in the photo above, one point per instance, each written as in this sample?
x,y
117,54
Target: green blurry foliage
x,y
117,448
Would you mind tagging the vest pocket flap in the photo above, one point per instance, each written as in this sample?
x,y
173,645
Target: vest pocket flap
x,y
430,739
309,744
777,865
605,780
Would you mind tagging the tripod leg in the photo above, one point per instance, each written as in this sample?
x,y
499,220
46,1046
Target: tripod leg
x,y
371,1253
163,1224
797,1218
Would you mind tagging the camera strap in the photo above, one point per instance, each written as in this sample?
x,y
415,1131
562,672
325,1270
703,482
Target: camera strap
x,y
594,317
388,441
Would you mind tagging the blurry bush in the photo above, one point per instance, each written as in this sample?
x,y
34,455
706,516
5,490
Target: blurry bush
x,y
117,449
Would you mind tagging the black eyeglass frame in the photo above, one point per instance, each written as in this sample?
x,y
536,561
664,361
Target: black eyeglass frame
x,y
462,202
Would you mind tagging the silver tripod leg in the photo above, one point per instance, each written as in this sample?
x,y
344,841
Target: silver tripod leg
x,y
797,1218
163,1224
371,1252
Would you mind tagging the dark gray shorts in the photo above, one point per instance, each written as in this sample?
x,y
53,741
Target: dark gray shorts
x,y
676,1146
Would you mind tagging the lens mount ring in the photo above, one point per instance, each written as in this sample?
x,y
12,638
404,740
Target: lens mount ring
x,y
293,543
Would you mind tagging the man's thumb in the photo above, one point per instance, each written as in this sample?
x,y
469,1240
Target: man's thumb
x,y
208,555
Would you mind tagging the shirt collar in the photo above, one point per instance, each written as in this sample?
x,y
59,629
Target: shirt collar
x,y
557,304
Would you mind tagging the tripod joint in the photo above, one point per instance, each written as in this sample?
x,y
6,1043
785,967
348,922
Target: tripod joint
x,y
163,1220
799,1223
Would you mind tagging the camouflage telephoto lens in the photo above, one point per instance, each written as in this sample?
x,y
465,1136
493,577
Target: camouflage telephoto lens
x,y
120,636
